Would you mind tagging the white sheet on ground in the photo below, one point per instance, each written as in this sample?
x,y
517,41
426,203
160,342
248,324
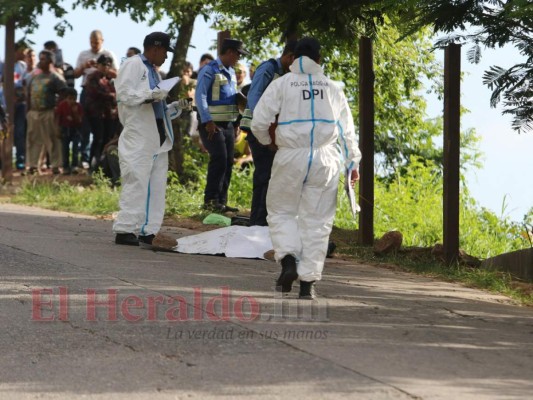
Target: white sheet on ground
x,y
233,241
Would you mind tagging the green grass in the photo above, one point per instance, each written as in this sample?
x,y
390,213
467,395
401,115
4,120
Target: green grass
x,y
96,199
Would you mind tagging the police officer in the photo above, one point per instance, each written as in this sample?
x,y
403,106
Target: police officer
x,y
217,110
263,156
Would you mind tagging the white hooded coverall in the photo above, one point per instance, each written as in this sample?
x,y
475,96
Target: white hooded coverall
x,y
143,161
314,119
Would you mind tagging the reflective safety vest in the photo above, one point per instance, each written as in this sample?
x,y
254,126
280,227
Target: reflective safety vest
x,y
246,121
221,97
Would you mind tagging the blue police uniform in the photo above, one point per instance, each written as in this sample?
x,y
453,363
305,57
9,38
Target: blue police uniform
x,y
215,97
262,155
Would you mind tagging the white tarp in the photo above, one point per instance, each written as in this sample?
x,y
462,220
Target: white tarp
x,y
233,241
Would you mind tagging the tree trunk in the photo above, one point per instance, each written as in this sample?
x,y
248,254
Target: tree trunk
x,y
175,156
9,95
182,44
366,141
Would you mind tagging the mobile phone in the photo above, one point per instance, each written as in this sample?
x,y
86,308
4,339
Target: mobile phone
x,y
59,58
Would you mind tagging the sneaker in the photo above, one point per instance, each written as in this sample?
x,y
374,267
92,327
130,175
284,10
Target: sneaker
x,y
307,290
85,165
145,241
288,274
128,239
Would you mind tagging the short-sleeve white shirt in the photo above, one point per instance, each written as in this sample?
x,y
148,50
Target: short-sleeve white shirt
x,y
87,55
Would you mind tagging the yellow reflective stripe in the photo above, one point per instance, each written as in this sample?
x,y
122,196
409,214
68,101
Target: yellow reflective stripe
x,y
223,108
221,79
225,117
228,112
246,121
215,93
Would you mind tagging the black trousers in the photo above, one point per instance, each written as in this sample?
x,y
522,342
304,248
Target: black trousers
x,y
85,131
263,159
220,149
103,130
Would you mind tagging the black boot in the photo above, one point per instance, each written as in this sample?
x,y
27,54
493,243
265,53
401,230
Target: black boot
x,y
331,248
288,274
307,290
129,239
146,241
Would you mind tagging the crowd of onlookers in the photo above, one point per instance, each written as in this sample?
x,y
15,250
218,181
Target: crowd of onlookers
x,y
63,131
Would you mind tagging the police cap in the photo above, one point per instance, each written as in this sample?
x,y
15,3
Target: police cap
x,y
160,39
235,45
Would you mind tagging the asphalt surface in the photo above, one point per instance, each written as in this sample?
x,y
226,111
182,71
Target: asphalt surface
x,y
84,318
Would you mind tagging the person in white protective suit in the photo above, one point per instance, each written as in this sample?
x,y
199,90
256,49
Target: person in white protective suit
x,y
144,143
313,119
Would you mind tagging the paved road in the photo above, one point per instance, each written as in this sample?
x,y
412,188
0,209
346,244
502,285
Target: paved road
x,y
179,326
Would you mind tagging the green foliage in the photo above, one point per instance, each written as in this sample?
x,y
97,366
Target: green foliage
x,y
97,199
342,20
185,194
184,199
488,234
194,162
402,65
412,204
240,190
491,24
269,45
25,13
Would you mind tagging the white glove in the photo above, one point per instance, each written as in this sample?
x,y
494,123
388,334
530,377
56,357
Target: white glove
x,y
159,94
174,109
184,104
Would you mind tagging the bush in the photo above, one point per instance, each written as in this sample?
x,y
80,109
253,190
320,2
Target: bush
x,y
412,204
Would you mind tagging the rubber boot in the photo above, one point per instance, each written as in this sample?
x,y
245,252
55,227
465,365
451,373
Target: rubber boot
x,y
128,239
288,274
307,290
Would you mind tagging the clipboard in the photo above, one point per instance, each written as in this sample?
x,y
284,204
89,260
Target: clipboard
x,y
167,84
